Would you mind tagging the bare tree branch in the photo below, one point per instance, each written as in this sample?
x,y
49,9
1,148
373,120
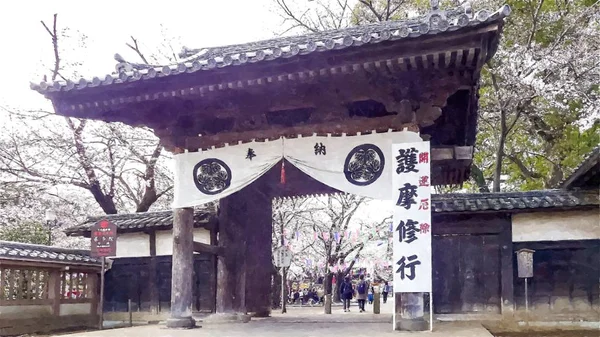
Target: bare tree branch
x,y
136,48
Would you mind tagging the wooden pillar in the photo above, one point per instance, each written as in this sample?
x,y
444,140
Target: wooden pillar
x,y
182,271
228,264
410,312
153,275
244,270
54,293
258,225
213,260
506,267
93,283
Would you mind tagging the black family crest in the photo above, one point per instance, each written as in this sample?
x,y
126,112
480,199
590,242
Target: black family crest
x,y
212,176
364,165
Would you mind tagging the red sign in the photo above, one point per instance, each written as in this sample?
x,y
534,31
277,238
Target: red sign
x,y
104,239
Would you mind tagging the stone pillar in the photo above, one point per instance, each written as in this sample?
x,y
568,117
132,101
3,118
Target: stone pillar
x,y
183,269
376,303
409,312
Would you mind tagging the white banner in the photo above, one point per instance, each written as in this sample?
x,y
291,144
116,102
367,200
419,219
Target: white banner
x,y
412,217
359,165
202,177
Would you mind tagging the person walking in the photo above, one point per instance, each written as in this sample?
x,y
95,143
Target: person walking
x,y
385,292
371,294
346,292
362,289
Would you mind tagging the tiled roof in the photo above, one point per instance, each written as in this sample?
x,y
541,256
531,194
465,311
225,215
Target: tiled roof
x,y
586,174
435,22
142,221
40,253
512,201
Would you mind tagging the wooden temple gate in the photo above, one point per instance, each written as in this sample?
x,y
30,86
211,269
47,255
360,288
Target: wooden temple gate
x,y
420,75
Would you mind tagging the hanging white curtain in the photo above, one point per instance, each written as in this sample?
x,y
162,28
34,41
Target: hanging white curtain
x,y
202,177
360,165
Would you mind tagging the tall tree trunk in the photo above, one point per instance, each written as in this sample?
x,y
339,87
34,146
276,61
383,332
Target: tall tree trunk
x,y
339,278
500,152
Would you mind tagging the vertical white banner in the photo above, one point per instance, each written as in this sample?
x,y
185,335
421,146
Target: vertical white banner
x,y
412,264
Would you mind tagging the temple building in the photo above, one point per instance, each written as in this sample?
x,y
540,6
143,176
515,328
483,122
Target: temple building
x,y
310,114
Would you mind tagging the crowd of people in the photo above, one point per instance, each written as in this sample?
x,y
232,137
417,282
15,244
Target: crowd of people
x,y
307,296
363,291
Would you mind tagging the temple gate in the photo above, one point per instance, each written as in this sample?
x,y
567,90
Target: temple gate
x,y
419,75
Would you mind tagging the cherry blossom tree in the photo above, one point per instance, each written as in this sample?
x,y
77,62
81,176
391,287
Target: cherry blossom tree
x,y
328,235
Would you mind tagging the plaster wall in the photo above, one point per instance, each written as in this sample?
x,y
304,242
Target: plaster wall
x,y
556,226
164,240
25,311
75,309
133,245
138,244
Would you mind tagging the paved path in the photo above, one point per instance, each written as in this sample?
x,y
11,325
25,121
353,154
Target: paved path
x,y
271,329
302,322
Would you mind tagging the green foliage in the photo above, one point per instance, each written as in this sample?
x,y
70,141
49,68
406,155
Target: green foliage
x,y
547,75
27,232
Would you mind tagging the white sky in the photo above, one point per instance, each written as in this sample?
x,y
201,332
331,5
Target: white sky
x,y
27,50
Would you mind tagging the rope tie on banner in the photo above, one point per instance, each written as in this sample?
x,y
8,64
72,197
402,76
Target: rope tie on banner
x,y
282,178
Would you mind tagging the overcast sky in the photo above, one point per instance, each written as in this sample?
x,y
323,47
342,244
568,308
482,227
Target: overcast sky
x,y
108,24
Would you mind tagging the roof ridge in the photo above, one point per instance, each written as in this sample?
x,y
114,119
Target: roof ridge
x,y
197,209
435,21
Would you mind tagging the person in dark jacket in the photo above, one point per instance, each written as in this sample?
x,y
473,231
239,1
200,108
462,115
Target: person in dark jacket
x,y
385,291
346,292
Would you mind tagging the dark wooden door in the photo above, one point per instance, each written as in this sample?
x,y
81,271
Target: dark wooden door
x,y
204,284
466,273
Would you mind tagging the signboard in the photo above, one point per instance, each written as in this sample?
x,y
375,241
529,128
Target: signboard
x,y
104,239
412,217
282,257
525,263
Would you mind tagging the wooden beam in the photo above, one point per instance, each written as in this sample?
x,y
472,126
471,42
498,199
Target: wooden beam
x,y
506,277
200,247
54,291
352,126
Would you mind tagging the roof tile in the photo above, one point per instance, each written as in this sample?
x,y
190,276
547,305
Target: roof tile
x,y
512,201
141,221
28,252
436,21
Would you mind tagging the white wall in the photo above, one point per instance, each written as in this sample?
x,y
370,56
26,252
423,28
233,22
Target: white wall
x,y
133,245
75,309
138,244
25,311
556,226
164,240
